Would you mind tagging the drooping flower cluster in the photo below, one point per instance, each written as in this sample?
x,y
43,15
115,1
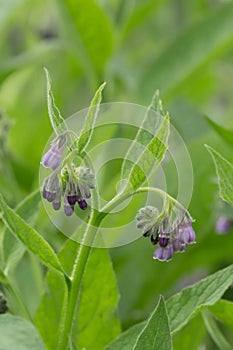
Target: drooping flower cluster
x,y
170,236
71,183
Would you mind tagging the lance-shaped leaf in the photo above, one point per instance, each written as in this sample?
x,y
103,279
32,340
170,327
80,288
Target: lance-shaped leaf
x,y
207,292
226,134
87,130
156,333
12,249
182,306
57,121
149,335
224,170
192,49
29,236
151,156
148,129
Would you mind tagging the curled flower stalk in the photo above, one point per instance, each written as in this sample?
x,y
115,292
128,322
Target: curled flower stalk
x,y
67,182
169,234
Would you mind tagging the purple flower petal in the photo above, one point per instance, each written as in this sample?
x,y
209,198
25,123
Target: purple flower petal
x,y
163,241
68,209
51,160
177,246
82,204
163,254
186,234
56,205
71,198
50,196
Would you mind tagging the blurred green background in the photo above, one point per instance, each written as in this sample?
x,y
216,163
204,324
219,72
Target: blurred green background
x,y
183,48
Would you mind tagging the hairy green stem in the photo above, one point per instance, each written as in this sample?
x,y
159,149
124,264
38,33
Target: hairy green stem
x,y
75,283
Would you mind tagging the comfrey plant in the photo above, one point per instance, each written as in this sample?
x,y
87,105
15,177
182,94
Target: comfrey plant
x,y
76,306
79,276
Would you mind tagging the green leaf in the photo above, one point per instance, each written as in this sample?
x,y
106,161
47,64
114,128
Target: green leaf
x,y
192,49
49,311
7,8
207,292
156,333
214,331
97,311
16,333
151,156
223,310
89,31
92,114
29,237
152,334
226,134
184,341
126,340
37,54
149,127
182,306
224,170
57,121
97,308
139,15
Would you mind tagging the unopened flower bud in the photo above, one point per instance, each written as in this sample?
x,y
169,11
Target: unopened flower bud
x,y
52,158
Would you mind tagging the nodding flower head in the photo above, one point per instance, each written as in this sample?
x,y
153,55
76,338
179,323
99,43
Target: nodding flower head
x,y
52,158
170,236
74,189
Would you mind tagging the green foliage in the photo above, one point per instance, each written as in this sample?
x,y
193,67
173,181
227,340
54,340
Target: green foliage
x,y
29,237
206,292
224,170
90,30
191,50
226,134
86,132
16,333
96,313
184,49
223,310
151,156
182,306
156,333
214,331
57,121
